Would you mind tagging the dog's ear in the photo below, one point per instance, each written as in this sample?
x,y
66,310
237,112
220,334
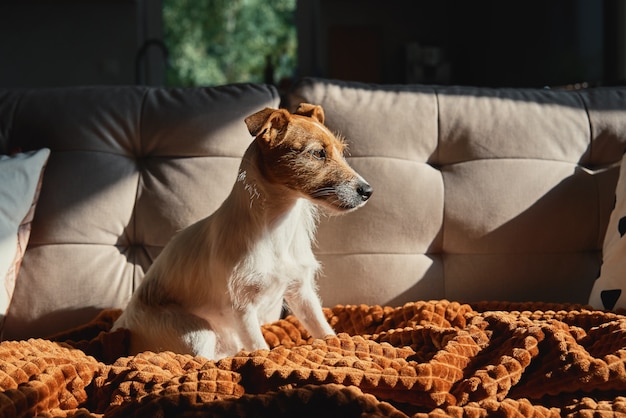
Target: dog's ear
x,y
312,111
256,121
267,123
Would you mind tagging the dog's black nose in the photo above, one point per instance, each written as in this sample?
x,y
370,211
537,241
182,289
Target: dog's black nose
x,y
365,191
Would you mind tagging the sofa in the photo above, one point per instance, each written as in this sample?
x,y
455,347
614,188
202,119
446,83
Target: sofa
x,y
475,282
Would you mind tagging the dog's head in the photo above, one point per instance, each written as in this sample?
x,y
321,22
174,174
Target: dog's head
x,y
299,152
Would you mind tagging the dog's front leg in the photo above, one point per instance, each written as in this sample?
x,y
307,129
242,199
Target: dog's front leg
x,y
305,304
251,335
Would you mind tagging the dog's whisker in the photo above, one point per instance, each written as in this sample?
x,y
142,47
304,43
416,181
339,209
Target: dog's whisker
x,y
324,191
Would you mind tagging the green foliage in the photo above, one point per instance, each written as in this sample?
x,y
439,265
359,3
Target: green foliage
x,y
215,42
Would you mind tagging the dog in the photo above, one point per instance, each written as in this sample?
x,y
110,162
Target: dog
x,y
217,281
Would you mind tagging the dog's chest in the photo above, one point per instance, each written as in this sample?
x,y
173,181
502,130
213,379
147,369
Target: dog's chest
x,y
285,251
280,258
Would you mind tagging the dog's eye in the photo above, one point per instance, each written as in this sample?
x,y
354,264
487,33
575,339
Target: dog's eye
x,y
320,154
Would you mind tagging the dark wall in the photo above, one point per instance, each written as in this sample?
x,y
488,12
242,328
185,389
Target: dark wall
x,y
529,43
50,43
495,43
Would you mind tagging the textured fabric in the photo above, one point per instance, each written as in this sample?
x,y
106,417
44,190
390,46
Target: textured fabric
x,y
21,176
480,194
129,167
436,358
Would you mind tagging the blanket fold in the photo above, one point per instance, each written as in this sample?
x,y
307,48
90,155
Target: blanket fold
x,y
423,359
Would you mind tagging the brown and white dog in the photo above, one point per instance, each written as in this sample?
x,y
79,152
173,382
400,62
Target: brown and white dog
x,y
218,280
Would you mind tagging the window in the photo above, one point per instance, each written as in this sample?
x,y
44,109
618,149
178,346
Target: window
x,y
216,42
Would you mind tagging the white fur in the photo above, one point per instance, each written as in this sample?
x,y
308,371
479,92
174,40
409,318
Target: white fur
x,y
218,280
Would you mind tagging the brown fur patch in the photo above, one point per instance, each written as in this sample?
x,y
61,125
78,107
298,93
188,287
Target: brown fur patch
x,y
301,153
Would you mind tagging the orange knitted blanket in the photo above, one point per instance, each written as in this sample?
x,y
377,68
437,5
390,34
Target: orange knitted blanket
x,y
436,358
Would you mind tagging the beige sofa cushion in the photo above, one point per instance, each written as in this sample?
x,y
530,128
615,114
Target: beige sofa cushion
x,y
479,193
129,167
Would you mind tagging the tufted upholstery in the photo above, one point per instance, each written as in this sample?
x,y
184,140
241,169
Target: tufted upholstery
x,y
129,167
479,193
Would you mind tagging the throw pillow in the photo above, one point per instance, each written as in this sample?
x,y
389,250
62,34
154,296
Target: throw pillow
x,y
609,289
20,182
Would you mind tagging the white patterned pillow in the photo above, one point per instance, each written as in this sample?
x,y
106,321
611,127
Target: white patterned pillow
x,y
20,182
609,290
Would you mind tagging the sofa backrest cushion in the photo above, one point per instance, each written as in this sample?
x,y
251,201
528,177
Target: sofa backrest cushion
x,y
479,194
500,194
129,167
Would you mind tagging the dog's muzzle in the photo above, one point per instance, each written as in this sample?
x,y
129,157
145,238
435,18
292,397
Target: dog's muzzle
x,y
354,195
